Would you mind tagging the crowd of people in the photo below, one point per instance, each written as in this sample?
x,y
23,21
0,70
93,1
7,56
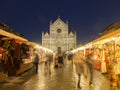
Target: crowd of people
x,y
81,65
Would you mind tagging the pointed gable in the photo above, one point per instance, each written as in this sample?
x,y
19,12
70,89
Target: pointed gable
x,y
59,21
46,34
73,30
71,34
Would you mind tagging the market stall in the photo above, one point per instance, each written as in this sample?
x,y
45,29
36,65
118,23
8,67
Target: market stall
x,y
106,51
26,57
43,52
108,45
16,54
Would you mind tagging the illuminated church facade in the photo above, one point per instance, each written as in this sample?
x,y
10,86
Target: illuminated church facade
x,y
59,38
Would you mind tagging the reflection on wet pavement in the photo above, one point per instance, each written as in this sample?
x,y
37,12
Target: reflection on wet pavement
x,y
62,78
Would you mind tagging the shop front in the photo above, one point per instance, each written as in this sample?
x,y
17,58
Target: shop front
x,y
106,51
13,51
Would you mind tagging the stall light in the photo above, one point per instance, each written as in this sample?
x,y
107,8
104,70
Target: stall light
x,y
37,46
1,56
45,49
90,46
117,37
114,38
73,51
81,48
107,40
51,51
48,50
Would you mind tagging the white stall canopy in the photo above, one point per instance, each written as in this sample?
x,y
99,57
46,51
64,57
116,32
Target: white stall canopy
x,y
11,35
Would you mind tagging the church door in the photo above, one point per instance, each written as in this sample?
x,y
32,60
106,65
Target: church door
x,y
59,49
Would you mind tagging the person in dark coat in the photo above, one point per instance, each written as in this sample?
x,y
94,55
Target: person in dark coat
x,y
61,60
36,60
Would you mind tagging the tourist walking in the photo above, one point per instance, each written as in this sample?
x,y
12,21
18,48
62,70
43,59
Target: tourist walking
x,y
89,61
81,68
36,60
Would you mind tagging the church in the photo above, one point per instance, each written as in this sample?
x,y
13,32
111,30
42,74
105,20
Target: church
x,y
59,38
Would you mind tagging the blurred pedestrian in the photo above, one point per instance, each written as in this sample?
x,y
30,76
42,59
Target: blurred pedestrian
x,y
70,56
36,60
49,64
46,62
61,60
89,61
80,67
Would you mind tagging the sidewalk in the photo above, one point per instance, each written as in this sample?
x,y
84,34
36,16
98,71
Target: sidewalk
x,y
100,81
61,79
3,76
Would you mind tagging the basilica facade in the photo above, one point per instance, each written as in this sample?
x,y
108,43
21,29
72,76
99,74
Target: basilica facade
x,y
59,38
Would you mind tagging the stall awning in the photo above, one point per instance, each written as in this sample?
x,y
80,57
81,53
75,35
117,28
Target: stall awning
x,y
112,34
31,43
11,35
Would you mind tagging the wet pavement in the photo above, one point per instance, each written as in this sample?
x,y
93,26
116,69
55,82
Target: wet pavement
x,y
62,78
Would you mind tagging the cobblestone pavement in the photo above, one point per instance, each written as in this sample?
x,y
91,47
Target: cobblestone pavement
x,y
62,78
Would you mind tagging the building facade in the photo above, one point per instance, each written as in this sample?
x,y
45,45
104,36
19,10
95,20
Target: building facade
x,y
59,39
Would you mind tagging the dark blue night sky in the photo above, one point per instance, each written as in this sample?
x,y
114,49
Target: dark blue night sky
x,y
31,17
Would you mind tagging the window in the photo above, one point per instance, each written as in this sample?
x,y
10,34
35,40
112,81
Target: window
x,y
59,30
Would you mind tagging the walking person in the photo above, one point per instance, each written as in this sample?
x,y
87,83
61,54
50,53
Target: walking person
x,y
48,65
36,60
81,68
46,62
56,63
61,60
49,62
89,61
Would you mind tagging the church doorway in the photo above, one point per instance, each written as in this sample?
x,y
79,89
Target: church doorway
x,y
59,49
